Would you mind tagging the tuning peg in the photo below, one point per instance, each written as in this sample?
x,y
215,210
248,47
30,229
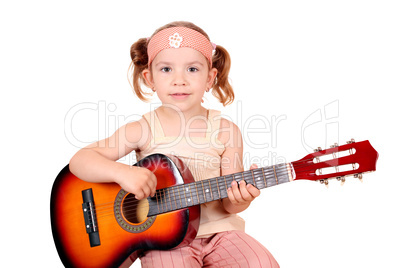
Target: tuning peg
x,y
351,141
341,179
318,149
325,182
333,146
359,176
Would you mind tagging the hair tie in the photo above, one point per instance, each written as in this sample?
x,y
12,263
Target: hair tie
x,y
213,45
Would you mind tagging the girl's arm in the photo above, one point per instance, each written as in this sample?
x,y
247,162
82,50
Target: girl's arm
x,y
97,162
240,194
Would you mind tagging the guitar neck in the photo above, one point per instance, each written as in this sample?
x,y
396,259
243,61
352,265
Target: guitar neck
x,y
199,192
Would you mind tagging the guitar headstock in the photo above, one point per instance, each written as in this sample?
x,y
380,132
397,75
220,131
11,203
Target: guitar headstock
x,y
351,159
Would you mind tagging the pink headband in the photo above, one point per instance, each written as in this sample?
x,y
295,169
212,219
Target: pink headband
x,y
176,37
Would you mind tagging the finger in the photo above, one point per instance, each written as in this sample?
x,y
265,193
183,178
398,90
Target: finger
x,y
253,191
145,185
246,195
139,194
152,182
134,189
231,196
145,192
236,192
253,166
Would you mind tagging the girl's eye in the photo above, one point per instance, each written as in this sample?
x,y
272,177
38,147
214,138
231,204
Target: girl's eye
x,y
192,69
166,69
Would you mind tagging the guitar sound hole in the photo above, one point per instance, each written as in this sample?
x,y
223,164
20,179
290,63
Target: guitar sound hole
x,y
135,211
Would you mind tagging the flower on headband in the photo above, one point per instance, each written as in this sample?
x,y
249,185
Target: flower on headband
x,y
175,40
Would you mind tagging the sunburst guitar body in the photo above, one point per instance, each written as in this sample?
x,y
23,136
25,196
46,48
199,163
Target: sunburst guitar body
x,y
109,233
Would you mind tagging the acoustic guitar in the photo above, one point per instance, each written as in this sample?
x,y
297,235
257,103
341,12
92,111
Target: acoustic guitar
x,y
102,225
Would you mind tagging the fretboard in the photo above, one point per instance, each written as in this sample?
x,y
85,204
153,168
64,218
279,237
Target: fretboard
x,y
200,192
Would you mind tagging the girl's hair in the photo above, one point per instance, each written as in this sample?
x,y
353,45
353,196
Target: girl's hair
x,y
220,60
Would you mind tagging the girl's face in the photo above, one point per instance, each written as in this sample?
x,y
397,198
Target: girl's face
x,y
180,77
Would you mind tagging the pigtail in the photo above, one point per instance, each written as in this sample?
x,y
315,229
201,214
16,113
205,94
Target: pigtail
x,y
221,88
139,62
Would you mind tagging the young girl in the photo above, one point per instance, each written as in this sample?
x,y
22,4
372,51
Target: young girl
x,y
179,63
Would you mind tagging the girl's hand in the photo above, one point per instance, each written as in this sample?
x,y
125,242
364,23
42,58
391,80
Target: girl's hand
x,y
137,180
241,194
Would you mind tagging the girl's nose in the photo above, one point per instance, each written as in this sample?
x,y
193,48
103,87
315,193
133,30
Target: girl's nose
x,y
179,79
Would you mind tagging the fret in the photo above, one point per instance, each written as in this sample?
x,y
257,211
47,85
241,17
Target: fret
x,y
161,201
239,177
226,185
170,200
258,178
196,191
203,191
252,175
225,191
285,175
157,201
271,181
165,199
174,197
220,185
200,192
265,180
210,190
217,187
178,191
276,178
249,178
203,195
191,196
185,197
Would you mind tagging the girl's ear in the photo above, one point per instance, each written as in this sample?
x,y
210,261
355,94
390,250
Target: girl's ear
x,y
147,75
211,77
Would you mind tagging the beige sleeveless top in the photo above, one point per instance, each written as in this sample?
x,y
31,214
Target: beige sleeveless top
x,y
202,155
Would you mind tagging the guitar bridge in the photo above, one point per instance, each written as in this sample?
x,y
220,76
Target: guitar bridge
x,y
91,224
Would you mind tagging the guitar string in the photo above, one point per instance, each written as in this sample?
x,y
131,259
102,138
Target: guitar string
x,y
99,207
197,185
173,200
195,192
299,163
171,203
168,202
134,211
104,209
214,184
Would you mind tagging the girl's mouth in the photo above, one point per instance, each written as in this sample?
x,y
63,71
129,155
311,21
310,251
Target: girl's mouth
x,y
180,95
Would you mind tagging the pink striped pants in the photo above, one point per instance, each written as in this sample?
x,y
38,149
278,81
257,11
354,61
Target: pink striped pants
x,y
226,249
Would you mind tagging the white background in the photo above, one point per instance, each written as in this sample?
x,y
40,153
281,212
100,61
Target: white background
x,y
305,73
